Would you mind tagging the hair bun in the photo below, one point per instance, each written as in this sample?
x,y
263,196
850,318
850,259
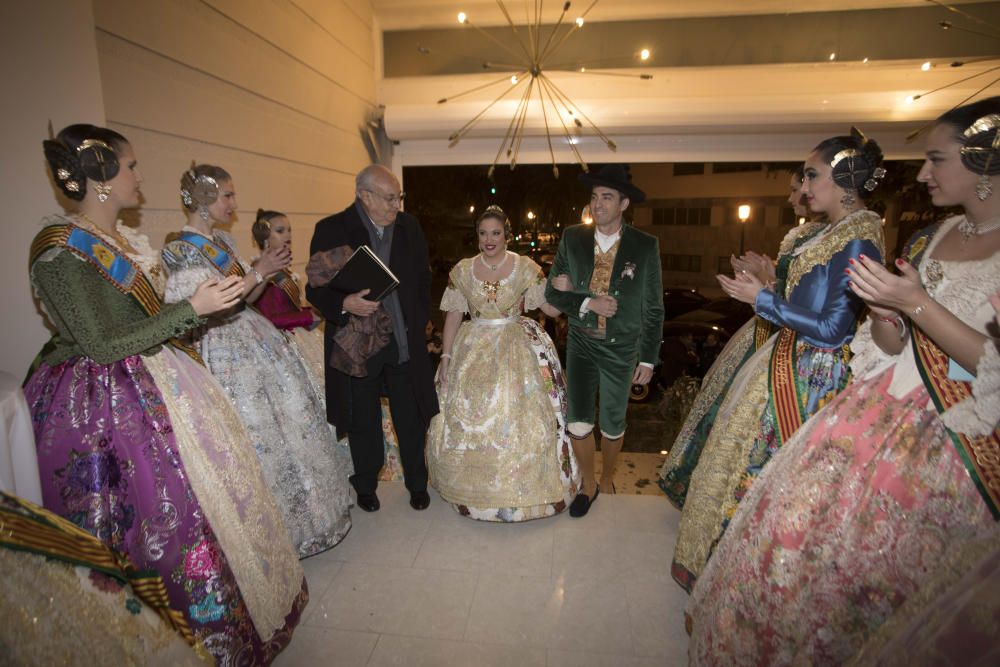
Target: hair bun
x,y
981,148
198,189
858,166
66,169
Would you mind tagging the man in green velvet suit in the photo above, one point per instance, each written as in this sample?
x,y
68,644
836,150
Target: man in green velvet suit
x,y
607,282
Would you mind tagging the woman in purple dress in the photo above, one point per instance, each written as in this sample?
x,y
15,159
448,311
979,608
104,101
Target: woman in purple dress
x,y
137,443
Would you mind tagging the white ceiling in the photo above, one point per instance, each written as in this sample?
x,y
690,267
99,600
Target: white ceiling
x,y
414,14
759,112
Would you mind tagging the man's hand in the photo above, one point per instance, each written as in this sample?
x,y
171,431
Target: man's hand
x,y
562,283
642,375
357,304
605,306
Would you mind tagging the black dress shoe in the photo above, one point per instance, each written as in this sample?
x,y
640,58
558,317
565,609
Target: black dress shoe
x,y
419,500
581,504
368,502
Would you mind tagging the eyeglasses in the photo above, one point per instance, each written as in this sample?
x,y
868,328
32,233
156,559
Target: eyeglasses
x,y
391,200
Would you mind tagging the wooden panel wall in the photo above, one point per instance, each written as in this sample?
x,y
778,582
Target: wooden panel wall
x,y
274,91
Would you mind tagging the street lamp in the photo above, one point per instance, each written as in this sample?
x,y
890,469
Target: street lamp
x,y
743,213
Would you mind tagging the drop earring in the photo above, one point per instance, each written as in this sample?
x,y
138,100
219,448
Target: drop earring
x,y
984,188
203,212
849,199
103,190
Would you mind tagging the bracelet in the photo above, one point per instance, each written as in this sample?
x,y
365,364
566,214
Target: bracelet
x,y
256,274
445,355
919,309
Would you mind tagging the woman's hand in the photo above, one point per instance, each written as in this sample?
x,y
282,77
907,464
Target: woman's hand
x,y
884,291
273,260
442,372
562,283
742,288
760,266
214,295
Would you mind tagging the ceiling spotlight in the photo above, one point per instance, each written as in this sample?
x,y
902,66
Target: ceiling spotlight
x,y
644,54
462,17
864,61
579,22
513,80
833,56
909,99
926,67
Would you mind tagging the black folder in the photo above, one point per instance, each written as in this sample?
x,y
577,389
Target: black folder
x,y
364,270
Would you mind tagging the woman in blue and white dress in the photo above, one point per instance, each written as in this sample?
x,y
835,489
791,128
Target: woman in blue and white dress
x,y
264,375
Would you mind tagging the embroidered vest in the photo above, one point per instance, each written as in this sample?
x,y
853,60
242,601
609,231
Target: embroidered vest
x,y
600,280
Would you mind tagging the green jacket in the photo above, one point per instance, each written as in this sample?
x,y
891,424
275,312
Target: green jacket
x,y
95,320
635,281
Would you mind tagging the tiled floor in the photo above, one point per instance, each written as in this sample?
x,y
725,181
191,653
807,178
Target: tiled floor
x,y
434,588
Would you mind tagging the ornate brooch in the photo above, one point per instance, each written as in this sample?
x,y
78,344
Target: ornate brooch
x,y
491,289
629,270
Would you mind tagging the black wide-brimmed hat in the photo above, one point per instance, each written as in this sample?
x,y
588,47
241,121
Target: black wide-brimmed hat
x,y
617,176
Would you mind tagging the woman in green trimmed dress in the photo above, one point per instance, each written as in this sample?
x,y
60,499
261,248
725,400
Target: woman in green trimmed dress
x,y
137,442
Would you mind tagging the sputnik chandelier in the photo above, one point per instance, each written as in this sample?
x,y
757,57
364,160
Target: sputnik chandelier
x,y
531,51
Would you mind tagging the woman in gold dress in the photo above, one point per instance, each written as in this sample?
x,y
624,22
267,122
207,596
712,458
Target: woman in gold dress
x,y
498,451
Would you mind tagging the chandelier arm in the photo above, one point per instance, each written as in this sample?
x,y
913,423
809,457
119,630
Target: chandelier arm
x,y
916,133
519,131
545,49
548,135
967,15
489,64
644,77
504,78
573,29
538,30
955,83
569,137
457,136
492,38
510,126
531,31
952,26
598,130
513,28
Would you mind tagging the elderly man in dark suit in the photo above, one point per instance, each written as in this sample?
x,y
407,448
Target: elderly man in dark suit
x,y
403,366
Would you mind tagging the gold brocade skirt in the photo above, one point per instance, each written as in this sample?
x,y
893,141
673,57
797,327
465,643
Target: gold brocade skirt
x,y
498,447
710,497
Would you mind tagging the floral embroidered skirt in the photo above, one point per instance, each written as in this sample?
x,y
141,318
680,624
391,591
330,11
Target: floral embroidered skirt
x,y
742,442
852,517
110,463
687,447
498,451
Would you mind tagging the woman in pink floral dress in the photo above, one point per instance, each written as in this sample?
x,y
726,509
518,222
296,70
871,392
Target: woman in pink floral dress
x,y
865,503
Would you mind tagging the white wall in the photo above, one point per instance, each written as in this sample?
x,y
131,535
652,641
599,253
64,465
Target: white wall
x,y
48,65
274,91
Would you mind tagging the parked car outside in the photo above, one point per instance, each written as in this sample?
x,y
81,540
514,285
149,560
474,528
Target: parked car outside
x,y
680,300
